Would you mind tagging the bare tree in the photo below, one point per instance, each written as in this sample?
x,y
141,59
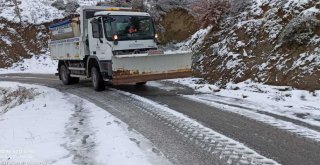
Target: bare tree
x,y
59,4
71,6
17,10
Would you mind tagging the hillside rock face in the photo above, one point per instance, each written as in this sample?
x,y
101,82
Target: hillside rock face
x,y
272,41
18,42
23,29
177,25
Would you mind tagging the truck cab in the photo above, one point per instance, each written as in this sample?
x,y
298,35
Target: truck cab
x,y
120,33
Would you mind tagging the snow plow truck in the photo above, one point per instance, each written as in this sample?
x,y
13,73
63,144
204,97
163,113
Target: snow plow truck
x,y
113,44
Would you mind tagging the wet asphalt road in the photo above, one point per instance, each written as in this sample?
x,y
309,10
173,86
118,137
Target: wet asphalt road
x,y
271,142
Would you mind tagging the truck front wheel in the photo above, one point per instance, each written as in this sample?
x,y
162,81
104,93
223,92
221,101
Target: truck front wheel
x,y
64,75
97,80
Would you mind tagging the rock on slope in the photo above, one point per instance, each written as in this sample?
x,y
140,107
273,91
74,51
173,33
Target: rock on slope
x,y
271,41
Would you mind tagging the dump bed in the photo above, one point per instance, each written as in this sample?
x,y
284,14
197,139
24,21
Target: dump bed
x,y
66,42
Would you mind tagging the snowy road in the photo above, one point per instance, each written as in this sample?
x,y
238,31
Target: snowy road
x,y
165,118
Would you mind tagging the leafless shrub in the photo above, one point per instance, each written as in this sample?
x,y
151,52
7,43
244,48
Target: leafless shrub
x,y
16,97
71,7
300,30
59,4
137,4
17,10
158,8
238,6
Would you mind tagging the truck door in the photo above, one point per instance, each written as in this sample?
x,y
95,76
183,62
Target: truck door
x,y
97,41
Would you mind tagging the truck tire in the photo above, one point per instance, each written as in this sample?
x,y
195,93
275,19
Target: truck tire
x,y
65,75
141,84
97,80
75,80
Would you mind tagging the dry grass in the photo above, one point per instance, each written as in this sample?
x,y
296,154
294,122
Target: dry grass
x,y
12,98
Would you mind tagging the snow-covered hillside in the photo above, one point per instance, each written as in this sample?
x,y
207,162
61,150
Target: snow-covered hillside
x,y
18,42
271,41
31,11
24,28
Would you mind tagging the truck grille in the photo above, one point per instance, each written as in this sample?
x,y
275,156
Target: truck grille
x,y
134,51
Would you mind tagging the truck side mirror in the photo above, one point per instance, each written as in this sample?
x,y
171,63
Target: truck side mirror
x,y
100,30
97,25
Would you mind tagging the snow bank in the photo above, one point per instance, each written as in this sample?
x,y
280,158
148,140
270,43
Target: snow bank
x,y
41,64
34,131
280,100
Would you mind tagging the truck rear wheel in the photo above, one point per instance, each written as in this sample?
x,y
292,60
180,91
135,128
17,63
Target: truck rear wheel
x,y
66,78
97,80
65,75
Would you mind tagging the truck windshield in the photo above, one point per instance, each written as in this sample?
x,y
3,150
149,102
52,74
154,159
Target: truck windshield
x,y
130,27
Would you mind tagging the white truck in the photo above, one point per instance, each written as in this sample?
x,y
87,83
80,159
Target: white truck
x,y
113,44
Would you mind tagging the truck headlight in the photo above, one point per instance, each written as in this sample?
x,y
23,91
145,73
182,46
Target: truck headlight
x,y
156,39
115,39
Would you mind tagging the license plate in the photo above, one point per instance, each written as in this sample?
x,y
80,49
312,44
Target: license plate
x,y
155,52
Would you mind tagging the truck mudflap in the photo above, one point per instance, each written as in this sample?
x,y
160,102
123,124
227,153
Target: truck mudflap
x,y
144,67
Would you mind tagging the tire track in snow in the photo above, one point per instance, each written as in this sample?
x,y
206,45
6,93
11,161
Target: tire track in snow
x,y
223,148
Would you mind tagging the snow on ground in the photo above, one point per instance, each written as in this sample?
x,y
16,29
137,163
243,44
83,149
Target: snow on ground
x,y
38,64
56,128
190,44
281,100
195,40
32,11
